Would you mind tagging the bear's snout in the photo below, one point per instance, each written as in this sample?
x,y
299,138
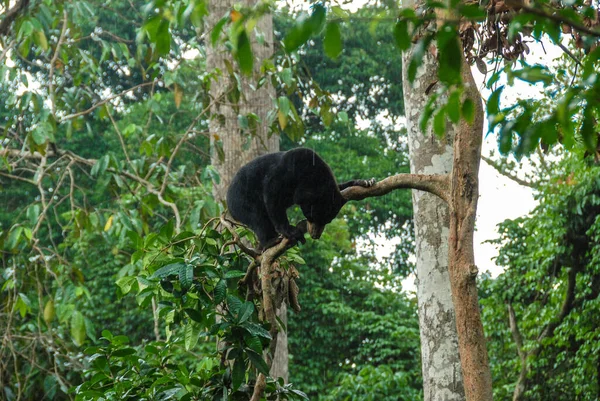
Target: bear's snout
x,y
315,230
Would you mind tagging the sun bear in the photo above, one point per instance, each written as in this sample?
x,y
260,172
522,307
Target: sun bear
x,y
262,191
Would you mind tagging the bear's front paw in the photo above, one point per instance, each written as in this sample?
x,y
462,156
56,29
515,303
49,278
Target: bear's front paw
x,y
293,234
366,183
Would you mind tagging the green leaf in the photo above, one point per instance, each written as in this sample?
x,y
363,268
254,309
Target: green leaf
x,y
163,38
123,352
401,35
100,167
317,18
220,291
40,134
439,123
13,238
534,74
194,314
238,373
305,28
332,43
78,328
125,284
468,110
186,276
284,105
256,330
244,53
216,32
453,106
39,38
234,304
245,312
254,343
168,270
588,130
258,362
427,113
493,103
450,55
191,335
234,274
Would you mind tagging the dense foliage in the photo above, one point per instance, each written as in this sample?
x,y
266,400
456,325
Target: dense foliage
x,y
550,287
122,195
105,179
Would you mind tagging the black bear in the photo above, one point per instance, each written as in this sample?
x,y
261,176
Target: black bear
x,y
263,190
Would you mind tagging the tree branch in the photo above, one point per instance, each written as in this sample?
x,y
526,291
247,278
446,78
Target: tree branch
x,y
562,20
59,43
566,308
516,333
11,15
496,166
95,106
437,184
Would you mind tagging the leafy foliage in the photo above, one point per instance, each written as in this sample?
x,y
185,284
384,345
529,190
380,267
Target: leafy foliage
x,y
552,281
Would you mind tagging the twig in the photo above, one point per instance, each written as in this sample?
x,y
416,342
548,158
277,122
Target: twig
x,y
95,106
562,20
53,61
6,49
570,54
507,174
246,249
183,139
121,141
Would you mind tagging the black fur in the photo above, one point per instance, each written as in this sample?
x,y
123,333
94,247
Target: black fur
x,y
263,190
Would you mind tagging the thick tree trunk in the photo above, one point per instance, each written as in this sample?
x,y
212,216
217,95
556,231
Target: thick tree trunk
x,y
226,133
442,378
461,266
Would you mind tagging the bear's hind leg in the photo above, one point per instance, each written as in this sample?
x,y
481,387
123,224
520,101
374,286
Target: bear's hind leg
x,y
259,222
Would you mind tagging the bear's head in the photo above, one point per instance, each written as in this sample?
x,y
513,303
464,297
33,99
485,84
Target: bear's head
x,y
320,212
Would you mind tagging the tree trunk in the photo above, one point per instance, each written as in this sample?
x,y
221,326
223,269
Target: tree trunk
x,y
280,366
226,133
464,194
440,361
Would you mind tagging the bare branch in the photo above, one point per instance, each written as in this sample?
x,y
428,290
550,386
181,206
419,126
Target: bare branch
x,y
6,49
498,167
247,250
184,138
95,106
436,184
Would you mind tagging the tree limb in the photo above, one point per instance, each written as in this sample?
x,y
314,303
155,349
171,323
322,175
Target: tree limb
x,y
516,333
437,184
11,15
557,18
496,166
566,308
